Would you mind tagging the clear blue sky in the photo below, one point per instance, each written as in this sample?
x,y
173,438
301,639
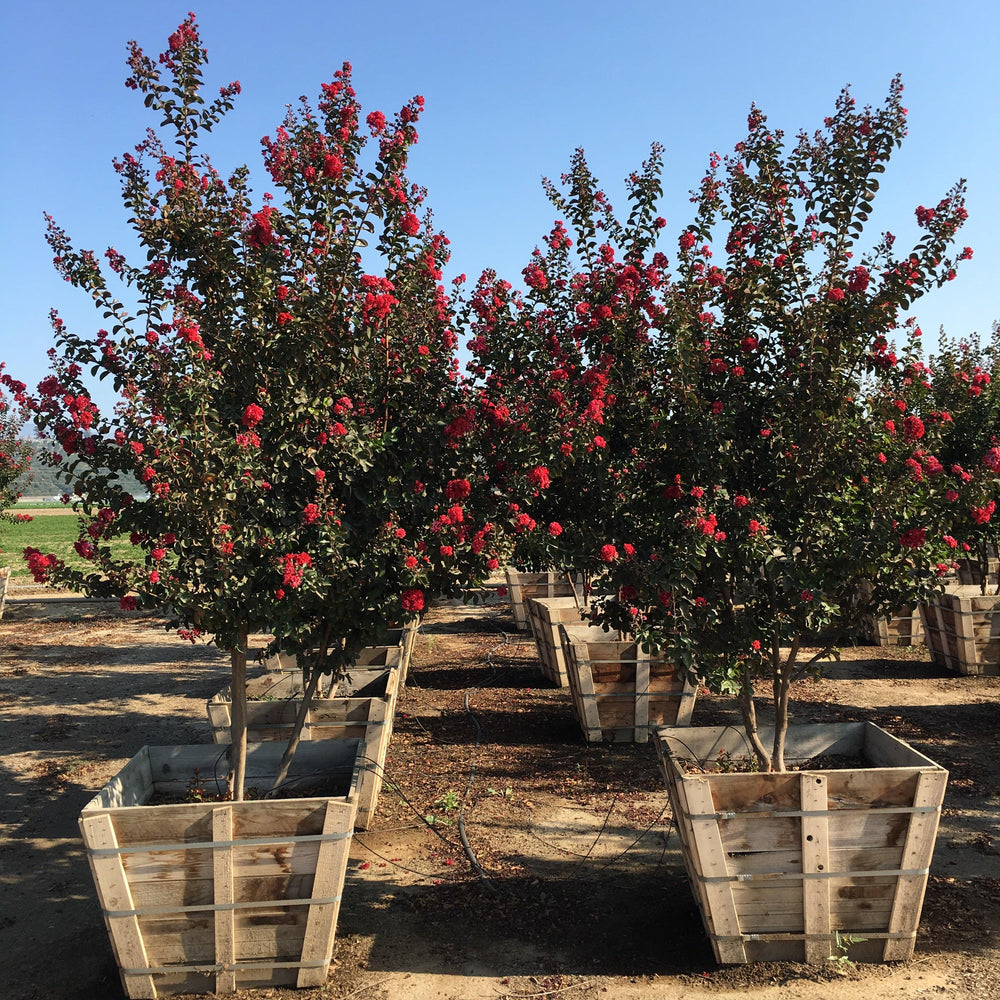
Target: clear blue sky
x,y
511,90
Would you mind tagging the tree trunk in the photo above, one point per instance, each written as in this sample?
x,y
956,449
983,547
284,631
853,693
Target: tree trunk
x,y
781,688
749,712
238,722
293,741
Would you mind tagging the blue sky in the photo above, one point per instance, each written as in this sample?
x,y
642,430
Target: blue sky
x,y
511,90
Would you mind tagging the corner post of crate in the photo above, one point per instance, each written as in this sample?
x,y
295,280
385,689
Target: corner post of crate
x,y
115,894
582,686
224,896
917,851
815,861
965,637
369,780
321,923
516,599
687,698
718,889
641,721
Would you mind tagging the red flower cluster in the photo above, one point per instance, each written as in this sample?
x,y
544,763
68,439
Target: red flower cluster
x,y
294,564
412,599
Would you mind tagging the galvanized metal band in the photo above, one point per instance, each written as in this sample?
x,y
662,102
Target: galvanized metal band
x,y
166,970
207,845
640,694
256,904
832,936
799,876
811,813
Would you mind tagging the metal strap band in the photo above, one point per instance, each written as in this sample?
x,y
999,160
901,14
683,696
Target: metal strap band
x,y
641,694
868,936
800,876
207,845
792,814
166,970
148,911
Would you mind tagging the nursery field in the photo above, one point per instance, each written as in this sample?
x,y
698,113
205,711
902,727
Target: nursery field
x,y
52,528
584,894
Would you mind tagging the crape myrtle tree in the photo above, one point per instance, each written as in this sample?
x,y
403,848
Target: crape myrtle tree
x,y
797,471
769,473
286,387
15,452
965,396
564,370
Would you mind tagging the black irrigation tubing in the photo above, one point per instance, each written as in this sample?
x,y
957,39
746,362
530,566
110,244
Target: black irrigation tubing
x,y
404,868
469,852
386,777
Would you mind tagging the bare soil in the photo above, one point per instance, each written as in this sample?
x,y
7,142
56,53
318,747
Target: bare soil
x,y
572,884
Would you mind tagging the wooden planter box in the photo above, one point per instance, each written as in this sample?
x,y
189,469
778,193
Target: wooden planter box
x,y
545,615
371,656
206,897
522,586
962,630
620,692
969,572
4,580
905,628
363,707
780,864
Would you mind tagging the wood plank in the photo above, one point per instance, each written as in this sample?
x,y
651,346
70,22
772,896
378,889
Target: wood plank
x,y
222,877
815,859
712,863
916,856
330,868
641,720
114,894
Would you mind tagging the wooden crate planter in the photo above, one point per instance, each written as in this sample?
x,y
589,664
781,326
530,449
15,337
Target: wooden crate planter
x,y
363,706
905,628
371,656
206,897
781,864
523,586
620,692
969,572
962,630
545,615
4,581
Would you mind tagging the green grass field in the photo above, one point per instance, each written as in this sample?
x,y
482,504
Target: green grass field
x,y
54,533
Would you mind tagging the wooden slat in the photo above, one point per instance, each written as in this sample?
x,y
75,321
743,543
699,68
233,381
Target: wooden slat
x,y
114,894
722,914
815,858
330,866
225,920
916,856
641,701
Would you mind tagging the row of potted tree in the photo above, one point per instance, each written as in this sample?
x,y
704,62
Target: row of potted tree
x,y
730,445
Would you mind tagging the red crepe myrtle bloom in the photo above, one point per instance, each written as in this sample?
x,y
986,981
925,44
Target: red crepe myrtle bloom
x,y
252,416
981,515
555,529
913,538
412,599
608,553
913,428
539,476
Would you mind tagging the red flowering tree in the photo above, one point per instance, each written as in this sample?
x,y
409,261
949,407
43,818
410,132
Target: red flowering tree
x,y
286,387
564,370
965,396
15,452
772,458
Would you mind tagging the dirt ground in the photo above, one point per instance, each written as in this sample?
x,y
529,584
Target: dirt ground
x,y
583,893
